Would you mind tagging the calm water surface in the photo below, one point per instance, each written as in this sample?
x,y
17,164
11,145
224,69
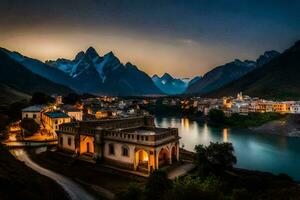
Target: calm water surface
x,y
276,154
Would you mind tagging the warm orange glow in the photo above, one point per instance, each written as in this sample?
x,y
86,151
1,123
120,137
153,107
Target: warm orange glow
x,y
12,137
52,42
145,157
225,135
185,123
101,114
86,144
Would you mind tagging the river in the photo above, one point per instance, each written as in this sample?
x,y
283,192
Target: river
x,y
269,153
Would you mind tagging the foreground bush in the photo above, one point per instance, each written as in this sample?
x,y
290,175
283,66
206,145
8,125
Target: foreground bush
x,y
215,158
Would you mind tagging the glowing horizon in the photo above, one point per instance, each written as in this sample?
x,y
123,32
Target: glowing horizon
x,y
182,39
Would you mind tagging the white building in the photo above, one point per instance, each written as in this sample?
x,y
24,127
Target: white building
x,y
131,143
34,112
295,108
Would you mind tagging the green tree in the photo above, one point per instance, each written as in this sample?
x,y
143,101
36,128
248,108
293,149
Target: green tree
x,y
72,99
4,122
14,110
201,160
157,184
40,98
29,126
217,157
216,116
195,188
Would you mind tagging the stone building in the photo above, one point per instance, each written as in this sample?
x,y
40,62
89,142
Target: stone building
x,y
52,119
133,143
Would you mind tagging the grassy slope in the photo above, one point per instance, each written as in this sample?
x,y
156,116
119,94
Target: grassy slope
x,y
18,181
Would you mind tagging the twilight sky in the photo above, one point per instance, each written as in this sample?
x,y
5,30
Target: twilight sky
x,y
184,38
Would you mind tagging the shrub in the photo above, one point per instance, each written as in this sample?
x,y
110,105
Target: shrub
x,y
134,192
217,157
30,126
157,184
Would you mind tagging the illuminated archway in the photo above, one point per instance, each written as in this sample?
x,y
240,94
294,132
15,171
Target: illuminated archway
x,y
86,145
142,160
164,157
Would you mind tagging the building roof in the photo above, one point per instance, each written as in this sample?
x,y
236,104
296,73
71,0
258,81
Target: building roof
x,y
69,108
35,108
56,114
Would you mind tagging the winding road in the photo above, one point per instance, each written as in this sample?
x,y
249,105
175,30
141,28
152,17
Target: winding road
x,y
75,191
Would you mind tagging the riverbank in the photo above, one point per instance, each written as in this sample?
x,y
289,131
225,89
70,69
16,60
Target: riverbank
x,y
17,181
253,184
217,118
287,126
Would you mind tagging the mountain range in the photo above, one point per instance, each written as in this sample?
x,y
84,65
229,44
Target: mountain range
x,y
89,72
222,75
173,86
276,79
105,74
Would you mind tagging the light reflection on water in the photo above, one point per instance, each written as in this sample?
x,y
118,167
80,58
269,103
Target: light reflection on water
x,y
277,154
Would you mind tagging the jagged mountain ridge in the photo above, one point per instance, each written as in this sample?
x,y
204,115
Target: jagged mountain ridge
x,y
222,75
44,70
23,81
170,85
106,74
277,79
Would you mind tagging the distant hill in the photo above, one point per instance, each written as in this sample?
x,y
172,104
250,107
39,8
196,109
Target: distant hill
x,y
9,95
277,79
222,75
44,70
20,79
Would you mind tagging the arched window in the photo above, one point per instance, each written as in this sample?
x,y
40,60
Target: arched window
x,y
125,151
69,141
111,149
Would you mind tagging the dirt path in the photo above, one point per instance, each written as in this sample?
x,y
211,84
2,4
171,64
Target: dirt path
x,y
75,191
181,170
